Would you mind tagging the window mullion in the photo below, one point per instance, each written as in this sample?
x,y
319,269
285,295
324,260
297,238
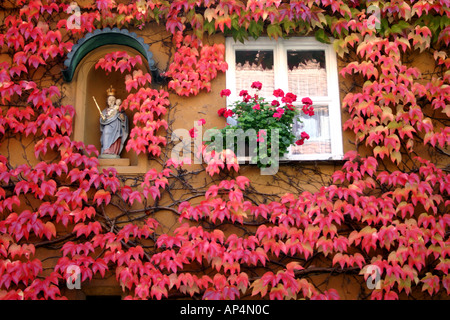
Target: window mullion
x,y
231,72
281,67
334,106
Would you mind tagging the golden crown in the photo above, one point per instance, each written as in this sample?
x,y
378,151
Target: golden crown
x,y
111,91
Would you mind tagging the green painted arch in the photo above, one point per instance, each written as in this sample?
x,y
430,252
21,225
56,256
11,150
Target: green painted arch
x,y
99,38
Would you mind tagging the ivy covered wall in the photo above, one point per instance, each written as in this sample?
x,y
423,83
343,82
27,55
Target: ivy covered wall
x,y
372,226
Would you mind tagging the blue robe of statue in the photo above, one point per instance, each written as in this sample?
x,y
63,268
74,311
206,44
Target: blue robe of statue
x,y
112,129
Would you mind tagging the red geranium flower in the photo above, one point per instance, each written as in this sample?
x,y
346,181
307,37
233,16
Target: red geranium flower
x,y
307,101
279,113
228,113
224,112
308,109
304,135
289,98
221,111
275,103
278,93
257,85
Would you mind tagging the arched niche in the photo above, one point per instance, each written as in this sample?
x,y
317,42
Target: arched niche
x,y
88,82
103,37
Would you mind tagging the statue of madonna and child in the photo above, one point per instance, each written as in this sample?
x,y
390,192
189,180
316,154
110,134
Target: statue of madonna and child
x,y
113,126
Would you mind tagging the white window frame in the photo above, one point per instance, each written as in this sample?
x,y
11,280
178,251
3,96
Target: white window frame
x,y
280,48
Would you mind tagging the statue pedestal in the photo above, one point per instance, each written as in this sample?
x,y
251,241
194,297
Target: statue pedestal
x,y
114,162
109,156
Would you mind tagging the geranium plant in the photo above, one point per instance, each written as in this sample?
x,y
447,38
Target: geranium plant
x,y
266,125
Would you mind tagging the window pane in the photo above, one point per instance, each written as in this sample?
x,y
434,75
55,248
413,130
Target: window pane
x,y
318,128
307,75
255,65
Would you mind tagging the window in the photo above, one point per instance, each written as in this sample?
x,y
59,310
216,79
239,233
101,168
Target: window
x,y
304,67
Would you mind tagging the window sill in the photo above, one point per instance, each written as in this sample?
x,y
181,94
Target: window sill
x,y
285,160
303,158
